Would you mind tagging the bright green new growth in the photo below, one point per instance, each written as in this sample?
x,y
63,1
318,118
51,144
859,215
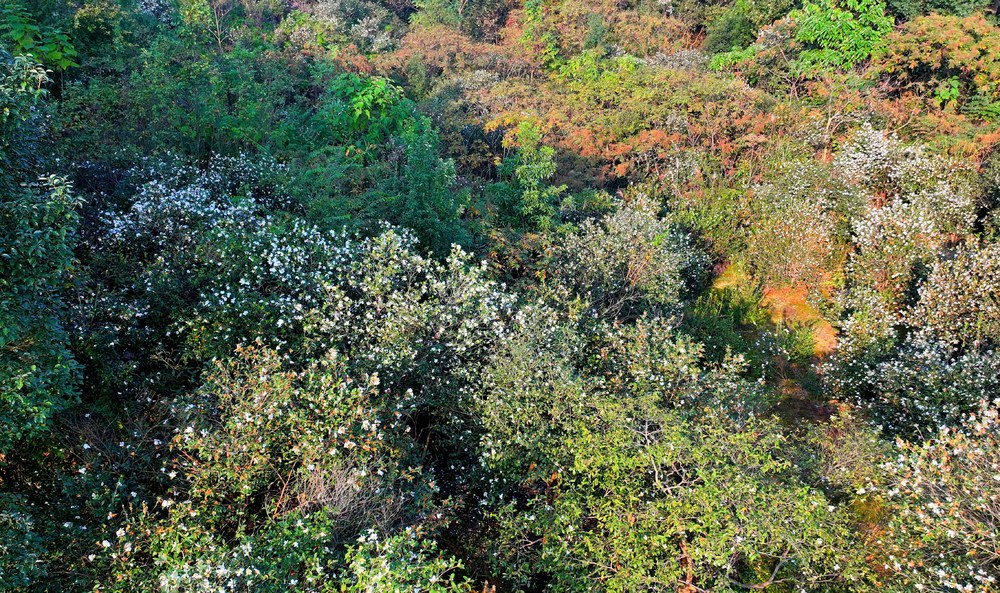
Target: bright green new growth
x,y
839,34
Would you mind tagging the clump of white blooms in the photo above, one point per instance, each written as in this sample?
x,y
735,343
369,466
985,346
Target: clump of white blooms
x,y
792,235
927,365
162,10
368,24
918,204
923,383
215,231
944,532
922,313
890,169
682,59
631,262
960,300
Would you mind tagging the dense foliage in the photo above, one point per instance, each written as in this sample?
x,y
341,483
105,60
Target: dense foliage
x,y
488,295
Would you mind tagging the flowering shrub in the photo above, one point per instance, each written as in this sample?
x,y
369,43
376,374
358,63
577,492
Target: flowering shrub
x,y
960,300
369,25
629,263
210,264
294,380
402,563
793,231
259,451
218,271
920,384
918,203
942,534
300,440
942,189
298,462
916,341
927,365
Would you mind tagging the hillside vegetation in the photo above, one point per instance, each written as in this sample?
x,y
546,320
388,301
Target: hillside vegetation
x,y
499,295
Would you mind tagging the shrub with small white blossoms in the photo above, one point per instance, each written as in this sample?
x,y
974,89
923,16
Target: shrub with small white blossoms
x,y
270,436
794,229
920,384
401,563
202,256
422,325
295,463
946,190
368,24
629,263
960,300
943,529
919,203
929,364
916,340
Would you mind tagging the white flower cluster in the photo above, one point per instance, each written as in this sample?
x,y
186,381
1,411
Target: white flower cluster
x,y
162,10
917,204
960,300
368,24
791,237
629,263
928,364
923,315
216,230
944,492
682,59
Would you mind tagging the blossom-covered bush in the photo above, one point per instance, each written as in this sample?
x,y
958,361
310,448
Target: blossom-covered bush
x,y
917,205
918,326
422,326
298,463
919,384
942,533
370,25
206,261
960,300
415,295
404,562
930,363
796,225
213,267
630,263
